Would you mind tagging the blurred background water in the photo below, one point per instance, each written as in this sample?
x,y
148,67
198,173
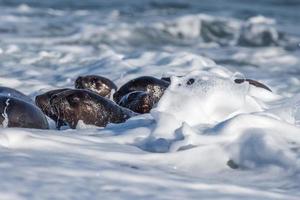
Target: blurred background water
x,y
58,37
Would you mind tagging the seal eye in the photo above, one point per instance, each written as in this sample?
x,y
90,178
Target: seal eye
x,y
238,81
190,81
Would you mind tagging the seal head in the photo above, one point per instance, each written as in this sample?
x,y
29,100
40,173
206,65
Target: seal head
x,y
43,102
97,84
74,105
151,85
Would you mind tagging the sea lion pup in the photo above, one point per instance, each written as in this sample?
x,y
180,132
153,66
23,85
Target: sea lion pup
x,y
138,101
10,92
74,105
43,102
253,82
98,84
250,81
155,87
18,113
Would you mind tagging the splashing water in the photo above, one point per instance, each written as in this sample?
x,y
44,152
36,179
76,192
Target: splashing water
x,y
4,114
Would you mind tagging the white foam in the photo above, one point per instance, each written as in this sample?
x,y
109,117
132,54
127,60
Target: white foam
x,y
4,114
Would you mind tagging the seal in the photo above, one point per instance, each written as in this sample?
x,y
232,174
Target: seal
x,y
138,101
253,82
98,84
10,92
43,102
238,81
18,113
74,105
153,86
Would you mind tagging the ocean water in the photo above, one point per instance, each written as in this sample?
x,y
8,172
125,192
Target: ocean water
x,y
213,139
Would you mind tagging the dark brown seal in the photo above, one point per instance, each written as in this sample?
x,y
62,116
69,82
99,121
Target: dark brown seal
x,y
43,102
74,105
138,101
153,86
98,84
18,113
10,92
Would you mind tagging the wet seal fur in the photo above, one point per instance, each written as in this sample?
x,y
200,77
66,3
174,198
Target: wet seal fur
x,y
18,113
10,92
73,105
43,102
138,101
98,84
153,86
